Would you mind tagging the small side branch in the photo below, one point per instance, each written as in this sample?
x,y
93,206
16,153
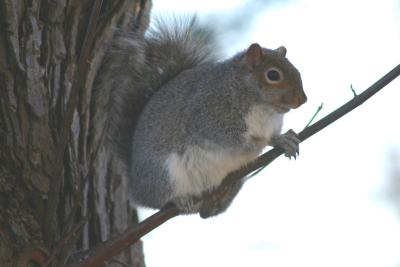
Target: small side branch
x,y
353,91
315,115
112,247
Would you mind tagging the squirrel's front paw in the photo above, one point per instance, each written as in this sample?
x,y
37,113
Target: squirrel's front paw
x,y
289,142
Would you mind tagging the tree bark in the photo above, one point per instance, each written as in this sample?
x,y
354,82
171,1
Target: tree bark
x,y
40,212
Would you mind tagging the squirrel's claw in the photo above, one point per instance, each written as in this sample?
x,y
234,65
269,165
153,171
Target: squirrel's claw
x,y
289,142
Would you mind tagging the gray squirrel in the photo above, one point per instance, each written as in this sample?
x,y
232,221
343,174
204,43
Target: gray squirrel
x,y
180,120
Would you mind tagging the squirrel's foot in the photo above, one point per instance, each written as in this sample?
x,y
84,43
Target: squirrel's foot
x,y
188,204
289,142
218,202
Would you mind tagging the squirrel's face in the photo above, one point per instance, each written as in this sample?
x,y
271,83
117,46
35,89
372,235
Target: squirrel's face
x,y
279,81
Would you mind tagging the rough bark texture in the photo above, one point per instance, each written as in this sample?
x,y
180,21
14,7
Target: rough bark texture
x,y
40,42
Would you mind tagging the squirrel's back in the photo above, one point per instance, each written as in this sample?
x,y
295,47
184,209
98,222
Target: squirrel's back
x,y
136,66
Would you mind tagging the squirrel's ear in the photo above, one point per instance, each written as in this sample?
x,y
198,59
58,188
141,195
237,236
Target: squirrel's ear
x,y
254,56
281,51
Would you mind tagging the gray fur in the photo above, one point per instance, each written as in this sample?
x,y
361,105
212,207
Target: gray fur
x,y
194,114
202,107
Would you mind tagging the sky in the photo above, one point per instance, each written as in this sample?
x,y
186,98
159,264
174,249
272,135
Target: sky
x,y
329,207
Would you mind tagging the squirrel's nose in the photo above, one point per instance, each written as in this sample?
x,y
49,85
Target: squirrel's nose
x,y
299,99
302,98
294,98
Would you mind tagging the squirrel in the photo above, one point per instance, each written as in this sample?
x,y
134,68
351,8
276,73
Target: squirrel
x,y
180,120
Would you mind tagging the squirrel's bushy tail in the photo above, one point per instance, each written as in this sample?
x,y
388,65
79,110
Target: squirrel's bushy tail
x,y
175,45
136,66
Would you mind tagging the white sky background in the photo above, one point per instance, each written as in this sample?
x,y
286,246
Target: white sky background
x,y
328,208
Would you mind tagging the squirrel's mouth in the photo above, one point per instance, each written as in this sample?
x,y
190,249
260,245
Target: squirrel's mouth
x,y
281,109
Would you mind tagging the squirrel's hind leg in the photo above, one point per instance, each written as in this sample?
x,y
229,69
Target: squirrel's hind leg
x,y
215,204
212,205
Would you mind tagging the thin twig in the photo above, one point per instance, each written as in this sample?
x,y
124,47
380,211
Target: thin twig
x,y
112,247
353,91
315,115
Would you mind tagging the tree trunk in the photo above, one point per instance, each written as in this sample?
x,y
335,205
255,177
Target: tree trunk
x,y
45,195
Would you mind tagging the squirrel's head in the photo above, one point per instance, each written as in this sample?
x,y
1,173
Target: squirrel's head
x,y
279,81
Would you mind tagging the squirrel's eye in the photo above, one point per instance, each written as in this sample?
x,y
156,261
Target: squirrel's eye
x,y
274,75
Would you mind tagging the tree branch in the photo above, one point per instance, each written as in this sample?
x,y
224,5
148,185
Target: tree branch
x,y
114,246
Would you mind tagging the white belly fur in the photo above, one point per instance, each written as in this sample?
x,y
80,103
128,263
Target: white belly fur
x,y
199,169
263,123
